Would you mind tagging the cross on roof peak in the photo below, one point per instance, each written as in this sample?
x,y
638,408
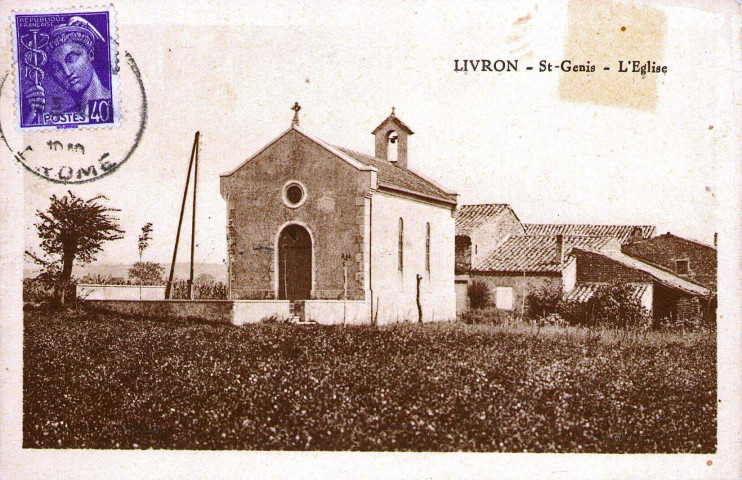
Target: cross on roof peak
x,y
296,109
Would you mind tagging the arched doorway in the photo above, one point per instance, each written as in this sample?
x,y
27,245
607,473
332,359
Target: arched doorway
x,y
294,263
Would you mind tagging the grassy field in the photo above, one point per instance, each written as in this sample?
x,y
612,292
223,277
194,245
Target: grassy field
x,y
101,381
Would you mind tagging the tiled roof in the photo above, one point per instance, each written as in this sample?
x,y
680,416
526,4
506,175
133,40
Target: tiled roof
x,y
583,291
622,232
661,276
388,175
393,118
662,251
537,253
402,179
471,217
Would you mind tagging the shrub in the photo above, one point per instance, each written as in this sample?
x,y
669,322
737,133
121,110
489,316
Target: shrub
x,y
38,290
211,291
611,305
275,320
479,294
685,324
541,303
104,280
485,316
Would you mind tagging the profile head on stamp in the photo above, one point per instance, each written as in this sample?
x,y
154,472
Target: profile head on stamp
x,y
71,56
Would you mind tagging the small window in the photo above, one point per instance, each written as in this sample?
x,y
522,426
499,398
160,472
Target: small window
x,y
427,247
682,267
504,298
400,247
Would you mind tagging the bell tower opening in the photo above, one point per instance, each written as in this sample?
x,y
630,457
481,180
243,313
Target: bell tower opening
x,y
392,149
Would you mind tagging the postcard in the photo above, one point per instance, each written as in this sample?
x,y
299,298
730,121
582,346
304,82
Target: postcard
x,y
371,240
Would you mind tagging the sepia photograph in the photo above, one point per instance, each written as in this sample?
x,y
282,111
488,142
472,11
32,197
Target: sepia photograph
x,y
371,240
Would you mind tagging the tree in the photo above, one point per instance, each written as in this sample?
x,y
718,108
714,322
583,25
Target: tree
x,y
147,273
73,230
205,279
144,238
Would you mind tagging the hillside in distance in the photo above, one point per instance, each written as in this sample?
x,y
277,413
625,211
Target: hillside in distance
x,y
182,270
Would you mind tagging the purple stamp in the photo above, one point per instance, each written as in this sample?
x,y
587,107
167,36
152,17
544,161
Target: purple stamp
x,y
66,69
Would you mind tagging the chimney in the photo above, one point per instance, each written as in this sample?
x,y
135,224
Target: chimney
x,y
560,249
391,137
716,239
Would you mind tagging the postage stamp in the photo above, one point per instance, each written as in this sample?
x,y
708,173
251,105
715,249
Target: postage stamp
x,y
66,69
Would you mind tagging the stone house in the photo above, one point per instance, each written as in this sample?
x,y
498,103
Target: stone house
x,y
687,259
528,263
664,294
480,229
691,260
513,258
328,234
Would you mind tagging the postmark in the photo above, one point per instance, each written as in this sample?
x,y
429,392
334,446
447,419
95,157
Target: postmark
x,y
66,69
77,155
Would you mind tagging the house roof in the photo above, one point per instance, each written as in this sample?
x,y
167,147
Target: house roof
x,y
583,291
470,217
404,180
537,253
622,232
661,276
662,251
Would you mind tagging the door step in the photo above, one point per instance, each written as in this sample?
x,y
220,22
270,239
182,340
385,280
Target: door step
x,y
296,309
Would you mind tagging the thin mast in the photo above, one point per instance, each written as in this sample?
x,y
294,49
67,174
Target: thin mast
x,y
193,221
168,287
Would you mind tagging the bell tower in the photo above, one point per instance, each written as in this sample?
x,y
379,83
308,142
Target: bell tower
x,y
391,140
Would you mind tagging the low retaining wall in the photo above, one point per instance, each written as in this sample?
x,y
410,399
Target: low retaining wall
x,y
216,311
89,291
331,312
252,311
240,312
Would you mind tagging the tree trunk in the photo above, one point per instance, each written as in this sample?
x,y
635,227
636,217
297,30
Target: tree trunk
x,y
68,258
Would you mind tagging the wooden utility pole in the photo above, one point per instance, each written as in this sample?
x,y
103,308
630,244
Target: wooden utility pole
x,y
193,222
169,286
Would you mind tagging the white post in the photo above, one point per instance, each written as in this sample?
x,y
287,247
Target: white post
x,y
345,258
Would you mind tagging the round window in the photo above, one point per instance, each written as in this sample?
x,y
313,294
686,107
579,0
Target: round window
x,y
294,194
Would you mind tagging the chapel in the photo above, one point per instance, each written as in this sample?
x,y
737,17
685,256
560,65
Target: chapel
x,y
334,235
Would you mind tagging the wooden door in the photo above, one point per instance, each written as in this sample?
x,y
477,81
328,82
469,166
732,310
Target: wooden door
x,y
294,263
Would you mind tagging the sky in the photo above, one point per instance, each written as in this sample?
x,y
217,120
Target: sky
x,y
555,146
